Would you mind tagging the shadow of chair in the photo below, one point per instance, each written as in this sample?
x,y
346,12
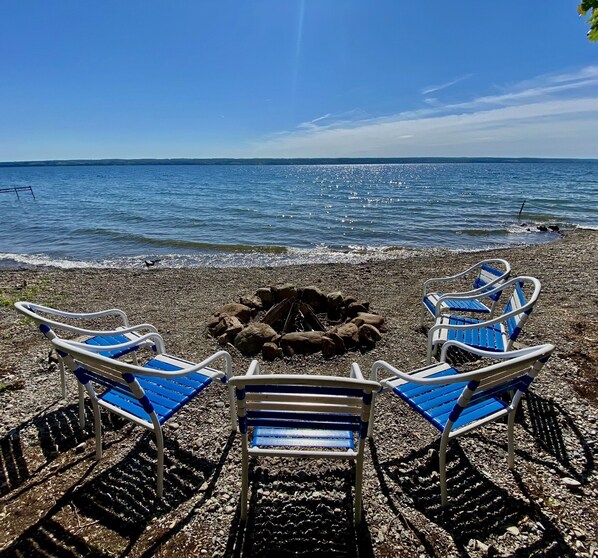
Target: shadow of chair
x,y
57,431
479,508
556,433
317,523
118,501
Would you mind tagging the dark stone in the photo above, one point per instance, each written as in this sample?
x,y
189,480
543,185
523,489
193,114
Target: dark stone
x,y
271,351
266,296
253,302
355,308
368,335
315,298
554,228
349,333
338,342
334,303
251,340
237,310
542,228
303,342
328,347
284,291
372,319
229,325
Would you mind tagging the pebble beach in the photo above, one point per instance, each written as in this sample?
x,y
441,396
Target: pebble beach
x,y
56,500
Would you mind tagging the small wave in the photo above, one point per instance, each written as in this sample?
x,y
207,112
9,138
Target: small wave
x,y
179,243
42,260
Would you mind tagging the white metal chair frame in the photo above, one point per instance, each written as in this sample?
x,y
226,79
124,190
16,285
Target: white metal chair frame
x,y
90,367
300,405
517,367
45,318
509,324
484,277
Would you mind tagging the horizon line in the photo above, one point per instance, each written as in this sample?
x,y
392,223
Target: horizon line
x,y
282,161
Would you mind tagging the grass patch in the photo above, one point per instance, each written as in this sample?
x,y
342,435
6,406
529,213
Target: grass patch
x,y
29,292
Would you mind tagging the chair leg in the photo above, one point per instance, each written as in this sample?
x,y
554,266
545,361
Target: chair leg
x,y
511,437
232,408
62,378
442,469
160,466
244,478
358,483
430,352
97,421
372,416
81,391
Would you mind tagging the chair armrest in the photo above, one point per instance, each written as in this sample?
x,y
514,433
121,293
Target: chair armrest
x,y
485,354
356,372
254,368
412,377
227,373
156,338
106,332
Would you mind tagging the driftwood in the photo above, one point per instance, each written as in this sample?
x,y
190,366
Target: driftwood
x,y
277,312
289,323
310,318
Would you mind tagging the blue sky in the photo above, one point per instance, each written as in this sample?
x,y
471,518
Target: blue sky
x,y
295,78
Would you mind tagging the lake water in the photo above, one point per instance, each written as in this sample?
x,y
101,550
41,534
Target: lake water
x,y
247,215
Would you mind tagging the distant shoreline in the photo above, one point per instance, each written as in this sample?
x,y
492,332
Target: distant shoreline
x,y
289,161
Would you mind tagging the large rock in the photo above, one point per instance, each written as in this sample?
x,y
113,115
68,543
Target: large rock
x,y
373,319
368,335
334,303
302,342
284,291
251,340
229,325
271,351
315,298
349,333
266,296
355,308
237,310
328,347
339,345
253,302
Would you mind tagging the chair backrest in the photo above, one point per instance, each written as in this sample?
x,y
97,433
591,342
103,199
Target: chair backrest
x,y
491,276
512,376
119,376
520,303
304,402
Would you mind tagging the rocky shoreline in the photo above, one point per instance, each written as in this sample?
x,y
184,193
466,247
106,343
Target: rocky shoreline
x,y
56,500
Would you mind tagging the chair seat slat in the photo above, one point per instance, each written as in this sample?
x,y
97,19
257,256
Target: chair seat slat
x,y
296,437
305,390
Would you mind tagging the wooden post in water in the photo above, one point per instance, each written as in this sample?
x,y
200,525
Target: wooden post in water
x,y
521,208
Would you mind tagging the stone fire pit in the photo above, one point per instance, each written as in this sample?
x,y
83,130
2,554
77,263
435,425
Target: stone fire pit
x,y
285,320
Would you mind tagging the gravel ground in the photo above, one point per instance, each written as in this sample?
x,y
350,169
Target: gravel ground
x,y
56,500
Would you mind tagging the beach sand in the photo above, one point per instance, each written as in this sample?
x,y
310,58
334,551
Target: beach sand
x,y
55,498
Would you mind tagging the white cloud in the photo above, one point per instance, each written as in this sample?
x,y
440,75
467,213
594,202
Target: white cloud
x,y
433,88
550,116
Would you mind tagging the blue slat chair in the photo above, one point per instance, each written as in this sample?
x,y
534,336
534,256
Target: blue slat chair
x,y
303,416
50,321
474,301
147,395
456,402
495,334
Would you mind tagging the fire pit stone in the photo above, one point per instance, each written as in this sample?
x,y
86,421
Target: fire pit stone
x,y
284,320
